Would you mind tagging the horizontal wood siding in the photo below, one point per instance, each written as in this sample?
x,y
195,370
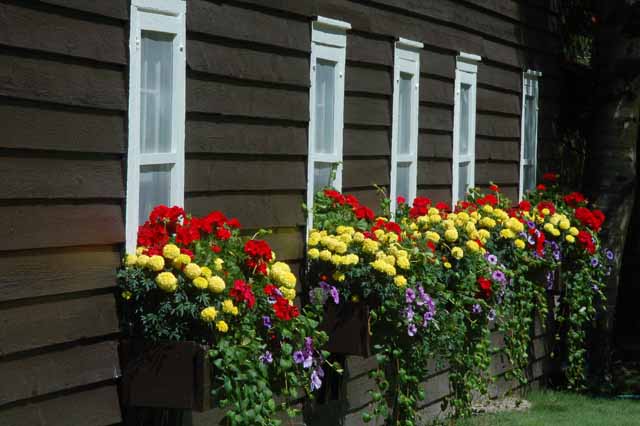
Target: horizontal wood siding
x,y
63,99
63,105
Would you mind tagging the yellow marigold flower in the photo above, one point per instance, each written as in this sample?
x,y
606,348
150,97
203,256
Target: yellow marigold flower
x,y
570,239
475,235
447,265
200,282
142,260
314,238
192,271
288,293
403,262
555,219
435,218
432,236
564,224
140,250
392,237
126,295
487,222
484,235
222,326
208,314
548,227
487,208
170,251
228,307
206,272
545,212
341,248
555,232
473,246
345,230
507,233
413,226
216,284
451,235
313,253
130,260
432,211
336,259
369,246
358,237
457,252
181,261
339,276
325,255
156,263
574,231
519,244
346,238
515,225
448,224
352,259
166,281
400,281
218,264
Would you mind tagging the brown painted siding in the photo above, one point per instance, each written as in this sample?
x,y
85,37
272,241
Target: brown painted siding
x,y
63,107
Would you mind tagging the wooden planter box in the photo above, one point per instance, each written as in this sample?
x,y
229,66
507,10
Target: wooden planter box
x,y
174,375
347,325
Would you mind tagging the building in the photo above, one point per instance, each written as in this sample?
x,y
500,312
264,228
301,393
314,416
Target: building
x,y
243,88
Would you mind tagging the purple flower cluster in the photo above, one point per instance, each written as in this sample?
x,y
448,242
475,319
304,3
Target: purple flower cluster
x,y
266,358
418,301
309,358
322,294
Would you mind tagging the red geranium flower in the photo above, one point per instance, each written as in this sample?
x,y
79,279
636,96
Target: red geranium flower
x,y
494,188
485,287
259,253
574,199
400,200
586,242
364,212
550,177
420,207
546,205
525,206
442,206
541,187
284,310
223,234
335,196
242,292
487,199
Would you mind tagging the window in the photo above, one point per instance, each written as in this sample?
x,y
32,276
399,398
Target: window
x,y
326,106
155,162
464,125
529,131
404,136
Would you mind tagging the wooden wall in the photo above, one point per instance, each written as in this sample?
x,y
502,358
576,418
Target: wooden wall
x,y
63,101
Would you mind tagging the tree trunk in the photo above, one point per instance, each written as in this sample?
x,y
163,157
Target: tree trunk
x,y
610,179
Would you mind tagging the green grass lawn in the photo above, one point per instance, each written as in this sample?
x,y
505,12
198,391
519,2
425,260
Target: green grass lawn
x,y
565,409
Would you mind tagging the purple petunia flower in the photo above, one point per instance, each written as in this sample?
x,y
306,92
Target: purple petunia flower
x,y
324,285
556,255
266,321
595,287
335,295
531,239
427,318
476,308
412,330
410,295
298,357
491,315
531,224
492,259
266,358
551,275
316,382
594,262
409,314
609,254
499,276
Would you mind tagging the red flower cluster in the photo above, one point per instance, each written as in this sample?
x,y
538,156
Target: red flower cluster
x,y
154,233
242,292
490,199
485,287
467,206
574,199
361,212
591,219
400,200
260,255
420,207
282,308
546,205
550,177
494,188
586,242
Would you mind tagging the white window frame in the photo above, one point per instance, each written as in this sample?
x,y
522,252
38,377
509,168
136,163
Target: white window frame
x,y
466,73
406,61
165,16
530,86
328,42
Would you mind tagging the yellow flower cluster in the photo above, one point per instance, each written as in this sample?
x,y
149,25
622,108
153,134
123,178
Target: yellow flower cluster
x,y
281,273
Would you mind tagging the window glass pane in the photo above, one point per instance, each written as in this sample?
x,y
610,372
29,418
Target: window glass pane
x,y
156,87
529,178
325,102
155,188
529,128
321,176
403,179
463,180
404,114
465,90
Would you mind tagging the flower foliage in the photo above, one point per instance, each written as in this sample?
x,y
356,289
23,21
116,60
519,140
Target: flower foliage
x,y
436,280
196,278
